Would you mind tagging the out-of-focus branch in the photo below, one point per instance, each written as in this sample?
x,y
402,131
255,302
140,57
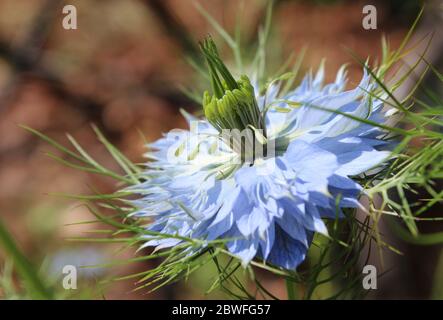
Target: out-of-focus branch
x,y
22,63
25,61
172,25
40,29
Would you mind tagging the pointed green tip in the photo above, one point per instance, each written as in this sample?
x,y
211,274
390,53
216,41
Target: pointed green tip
x,y
221,78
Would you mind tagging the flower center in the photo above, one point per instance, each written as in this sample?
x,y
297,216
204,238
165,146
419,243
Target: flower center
x,y
232,104
232,107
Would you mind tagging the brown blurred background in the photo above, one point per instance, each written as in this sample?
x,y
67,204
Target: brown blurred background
x,y
121,70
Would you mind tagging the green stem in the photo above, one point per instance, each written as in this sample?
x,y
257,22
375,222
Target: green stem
x,y
290,289
37,290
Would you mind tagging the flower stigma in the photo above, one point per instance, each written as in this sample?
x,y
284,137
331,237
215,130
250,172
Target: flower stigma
x,y
232,108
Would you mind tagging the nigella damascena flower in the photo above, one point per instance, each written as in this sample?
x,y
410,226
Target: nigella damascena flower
x,y
206,183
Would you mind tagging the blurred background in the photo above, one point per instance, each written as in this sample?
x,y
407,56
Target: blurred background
x,y
122,70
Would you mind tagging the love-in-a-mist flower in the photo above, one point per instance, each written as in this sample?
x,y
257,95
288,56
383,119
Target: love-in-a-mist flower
x,y
262,171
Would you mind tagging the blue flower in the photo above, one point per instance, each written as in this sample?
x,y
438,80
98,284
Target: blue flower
x,y
199,186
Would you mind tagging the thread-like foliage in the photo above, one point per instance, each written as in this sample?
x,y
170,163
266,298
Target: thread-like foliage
x,y
331,270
